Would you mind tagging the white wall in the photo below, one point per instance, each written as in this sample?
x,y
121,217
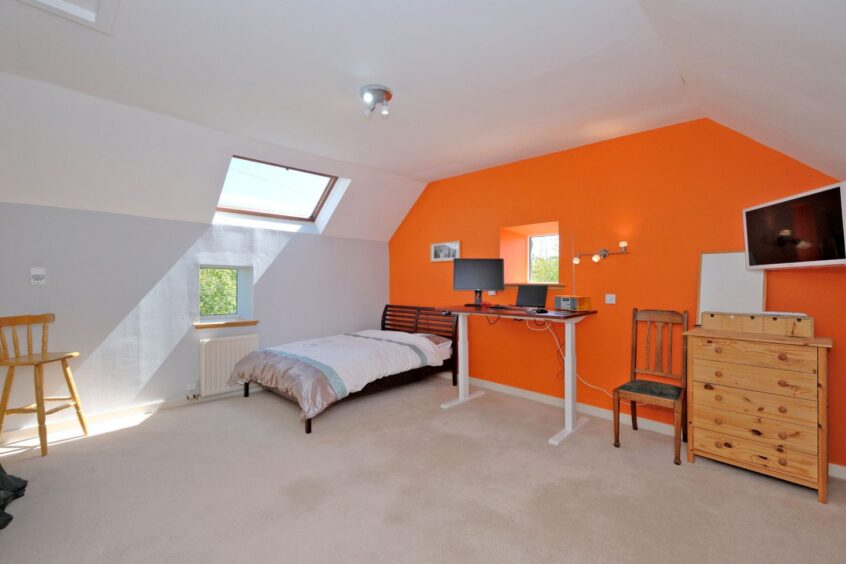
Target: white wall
x,y
124,291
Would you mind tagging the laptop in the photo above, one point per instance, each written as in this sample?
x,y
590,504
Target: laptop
x,y
531,295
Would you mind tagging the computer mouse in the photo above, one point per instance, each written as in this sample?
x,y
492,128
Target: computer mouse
x,y
541,310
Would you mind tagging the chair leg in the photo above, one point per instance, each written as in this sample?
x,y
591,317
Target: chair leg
x,y
72,389
616,403
633,408
7,390
677,423
39,407
684,418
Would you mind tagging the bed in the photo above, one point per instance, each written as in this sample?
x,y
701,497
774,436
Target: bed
x,y
413,342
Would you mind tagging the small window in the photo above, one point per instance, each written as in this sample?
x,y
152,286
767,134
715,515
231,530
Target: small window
x,y
225,292
543,259
266,189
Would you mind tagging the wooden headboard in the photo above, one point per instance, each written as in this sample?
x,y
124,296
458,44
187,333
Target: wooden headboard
x,y
415,319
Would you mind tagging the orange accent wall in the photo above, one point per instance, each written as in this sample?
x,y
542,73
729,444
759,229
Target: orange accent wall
x,y
514,250
672,193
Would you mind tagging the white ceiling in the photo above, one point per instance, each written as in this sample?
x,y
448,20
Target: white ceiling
x,y
476,82
774,70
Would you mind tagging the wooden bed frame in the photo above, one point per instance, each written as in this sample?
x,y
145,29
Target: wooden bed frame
x,y
408,319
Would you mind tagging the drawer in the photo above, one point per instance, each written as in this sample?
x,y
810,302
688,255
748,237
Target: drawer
x,y
756,454
768,431
767,355
782,382
781,408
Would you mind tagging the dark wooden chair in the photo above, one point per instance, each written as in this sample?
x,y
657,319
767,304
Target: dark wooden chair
x,y
657,363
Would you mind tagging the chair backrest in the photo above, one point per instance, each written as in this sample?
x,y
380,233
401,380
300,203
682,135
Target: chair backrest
x,y
12,324
659,332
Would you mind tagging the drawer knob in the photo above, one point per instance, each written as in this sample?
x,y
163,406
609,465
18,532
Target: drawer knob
x,y
782,435
782,409
756,432
782,356
727,444
782,461
709,387
718,350
783,383
718,373
718,420
718,397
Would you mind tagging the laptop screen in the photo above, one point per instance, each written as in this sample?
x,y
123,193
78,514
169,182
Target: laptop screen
x,y
531,295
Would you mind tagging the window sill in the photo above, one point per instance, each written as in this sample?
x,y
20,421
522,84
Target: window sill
x,y
548,284
222,324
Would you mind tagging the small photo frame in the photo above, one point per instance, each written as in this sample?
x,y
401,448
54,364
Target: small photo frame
x,y
444,252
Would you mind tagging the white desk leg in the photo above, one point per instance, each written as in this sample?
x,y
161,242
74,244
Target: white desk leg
x,y
571,422
463,366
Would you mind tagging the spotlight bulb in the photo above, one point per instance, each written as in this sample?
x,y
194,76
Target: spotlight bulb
x,y
385,110
367,97
596,258
576,260
623,244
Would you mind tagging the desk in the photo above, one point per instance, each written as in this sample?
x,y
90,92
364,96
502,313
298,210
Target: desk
x,y
568,318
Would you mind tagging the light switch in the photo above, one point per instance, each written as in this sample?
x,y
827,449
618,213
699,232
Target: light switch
x,y
491,292
610,298
38,275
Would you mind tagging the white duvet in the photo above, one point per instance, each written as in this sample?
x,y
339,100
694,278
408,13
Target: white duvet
x,y
354,360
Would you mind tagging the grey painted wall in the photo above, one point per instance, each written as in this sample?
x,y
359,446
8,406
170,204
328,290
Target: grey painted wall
x,y
124,291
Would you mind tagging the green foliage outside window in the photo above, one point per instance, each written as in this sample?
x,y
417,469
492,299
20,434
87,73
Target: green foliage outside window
x,y
543,259
544,270
218,291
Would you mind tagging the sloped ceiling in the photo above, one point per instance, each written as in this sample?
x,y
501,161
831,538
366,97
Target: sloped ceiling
x,y
774,70
477,83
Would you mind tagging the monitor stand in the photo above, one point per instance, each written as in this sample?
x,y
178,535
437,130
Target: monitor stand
x,y
478,299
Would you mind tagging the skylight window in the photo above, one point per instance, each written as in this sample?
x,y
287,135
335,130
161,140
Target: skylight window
x,y
258,188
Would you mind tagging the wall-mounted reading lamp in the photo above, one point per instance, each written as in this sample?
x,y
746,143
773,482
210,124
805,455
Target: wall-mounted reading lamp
x,y
603,253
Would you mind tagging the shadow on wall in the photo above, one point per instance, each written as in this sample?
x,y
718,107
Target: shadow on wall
x,y
140,344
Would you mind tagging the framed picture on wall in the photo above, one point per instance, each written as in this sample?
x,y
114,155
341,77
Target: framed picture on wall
x,y
443,252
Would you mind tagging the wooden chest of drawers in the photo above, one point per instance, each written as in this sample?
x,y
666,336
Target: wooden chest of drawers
x,y
759,401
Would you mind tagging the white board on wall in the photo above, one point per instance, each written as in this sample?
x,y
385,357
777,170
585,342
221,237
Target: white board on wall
x,y
726,285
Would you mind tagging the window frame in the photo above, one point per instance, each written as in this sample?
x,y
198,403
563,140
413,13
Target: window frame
x,y
529,259
243,293
320,202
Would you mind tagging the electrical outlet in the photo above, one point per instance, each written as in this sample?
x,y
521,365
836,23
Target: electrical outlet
x,y
491,292
610,298
38,275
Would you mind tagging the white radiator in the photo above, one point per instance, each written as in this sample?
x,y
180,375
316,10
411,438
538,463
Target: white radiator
x,y
217,359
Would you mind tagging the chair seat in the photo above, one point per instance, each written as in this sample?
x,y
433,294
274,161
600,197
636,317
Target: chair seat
x,y
649,388
36,359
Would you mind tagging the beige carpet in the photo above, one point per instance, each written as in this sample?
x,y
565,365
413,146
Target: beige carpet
x,y
394,478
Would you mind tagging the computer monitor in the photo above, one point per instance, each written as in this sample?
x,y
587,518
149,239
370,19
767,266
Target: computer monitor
x,y
478,275
531,295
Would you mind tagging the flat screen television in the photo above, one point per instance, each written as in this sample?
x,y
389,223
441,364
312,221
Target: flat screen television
x,y
799,231
478,275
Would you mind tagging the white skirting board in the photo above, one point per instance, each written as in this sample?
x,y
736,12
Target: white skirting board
x,y
834,470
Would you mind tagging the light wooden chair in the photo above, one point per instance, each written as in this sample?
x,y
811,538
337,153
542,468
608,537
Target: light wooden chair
x,y
658,362
37,361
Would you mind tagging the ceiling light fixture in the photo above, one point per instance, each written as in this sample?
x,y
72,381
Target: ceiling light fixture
x,y
603,253
374,95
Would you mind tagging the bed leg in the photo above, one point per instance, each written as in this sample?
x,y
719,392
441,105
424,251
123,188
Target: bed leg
x,y
246,389
308,426
455,374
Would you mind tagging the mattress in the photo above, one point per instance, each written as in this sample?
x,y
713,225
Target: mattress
x,y
318,372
